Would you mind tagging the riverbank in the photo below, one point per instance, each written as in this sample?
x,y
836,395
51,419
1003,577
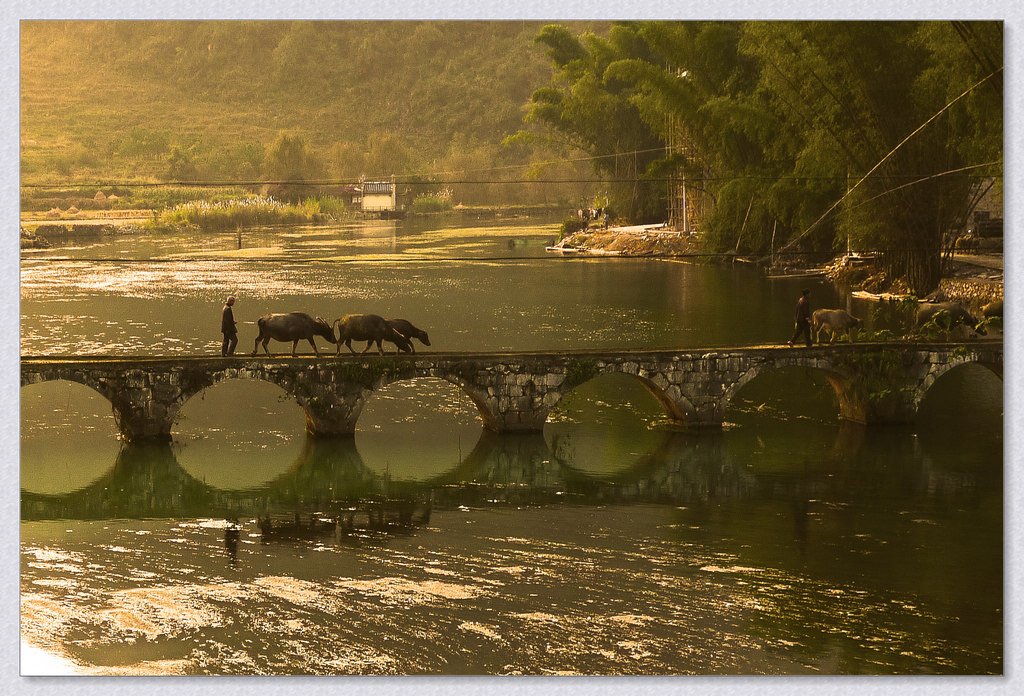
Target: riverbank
x,y
974,279
634,240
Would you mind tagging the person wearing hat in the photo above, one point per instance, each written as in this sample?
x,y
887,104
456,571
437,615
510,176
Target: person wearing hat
x,y
228,327
803,318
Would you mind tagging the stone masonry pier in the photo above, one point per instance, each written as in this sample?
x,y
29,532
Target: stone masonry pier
x,y
515,392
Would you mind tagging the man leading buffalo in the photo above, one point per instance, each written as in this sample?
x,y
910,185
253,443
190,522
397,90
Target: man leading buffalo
x,y
803,318
228,327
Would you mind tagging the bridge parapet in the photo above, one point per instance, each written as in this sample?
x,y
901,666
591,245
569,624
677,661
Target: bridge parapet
x,y
515,392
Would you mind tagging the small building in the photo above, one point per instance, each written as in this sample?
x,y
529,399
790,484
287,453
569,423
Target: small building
x,y
378,196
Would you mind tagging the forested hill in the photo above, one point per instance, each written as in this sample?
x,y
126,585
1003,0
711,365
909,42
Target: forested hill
x,y
102,99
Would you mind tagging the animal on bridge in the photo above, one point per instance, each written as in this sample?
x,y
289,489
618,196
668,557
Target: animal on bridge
x,y
371,328
834,321
406,328
992,309
947,316
294,327
967,243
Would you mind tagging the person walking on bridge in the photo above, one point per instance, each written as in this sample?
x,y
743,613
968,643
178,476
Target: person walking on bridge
x,y
228,327
803,318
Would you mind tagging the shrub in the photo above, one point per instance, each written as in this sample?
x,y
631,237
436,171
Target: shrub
x,y
570,225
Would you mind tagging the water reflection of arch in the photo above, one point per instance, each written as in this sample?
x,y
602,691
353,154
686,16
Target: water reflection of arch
x,y
146,480
521,469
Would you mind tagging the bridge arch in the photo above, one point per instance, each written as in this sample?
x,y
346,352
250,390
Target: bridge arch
x,y
938,370
674,404
515,391
85,379
193,388
836,377
477,395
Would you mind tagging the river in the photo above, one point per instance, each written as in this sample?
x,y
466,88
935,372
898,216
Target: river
x,y
612,543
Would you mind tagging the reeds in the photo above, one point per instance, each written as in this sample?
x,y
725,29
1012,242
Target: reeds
x,y
251,211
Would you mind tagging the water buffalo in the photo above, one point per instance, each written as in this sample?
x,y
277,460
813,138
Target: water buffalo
x,y
370,328
956,314
293,327
406,328
993,309
834,321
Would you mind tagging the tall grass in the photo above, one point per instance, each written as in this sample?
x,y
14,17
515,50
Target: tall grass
x,y
332,206
250,211
431,203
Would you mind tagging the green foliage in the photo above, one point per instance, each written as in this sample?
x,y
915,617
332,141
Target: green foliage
x,y
874,335
599,116
775,122
331,206
570,225
180,166
160,197
874,377
938,326
990,324
579,371
290,159
901,315
141,142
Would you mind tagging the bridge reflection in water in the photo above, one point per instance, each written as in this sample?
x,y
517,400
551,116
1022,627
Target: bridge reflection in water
x,y
329,490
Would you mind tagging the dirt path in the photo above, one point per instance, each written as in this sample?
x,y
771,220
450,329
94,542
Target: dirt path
x,y
992,261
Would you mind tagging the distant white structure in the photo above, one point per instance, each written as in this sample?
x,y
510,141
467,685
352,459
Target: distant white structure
x,y
378,196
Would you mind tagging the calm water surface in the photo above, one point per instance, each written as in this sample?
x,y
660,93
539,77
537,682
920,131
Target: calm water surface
x,y
612,543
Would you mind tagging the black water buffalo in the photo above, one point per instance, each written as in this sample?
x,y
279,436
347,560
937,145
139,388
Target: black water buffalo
x,y
834,321
294,327
371,328
993,309
406,328
957,316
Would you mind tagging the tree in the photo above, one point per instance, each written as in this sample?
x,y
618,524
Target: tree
x,y
180,166
289,164
598,116
289,159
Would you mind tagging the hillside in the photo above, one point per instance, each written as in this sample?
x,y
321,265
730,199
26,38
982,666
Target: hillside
x,y
112,100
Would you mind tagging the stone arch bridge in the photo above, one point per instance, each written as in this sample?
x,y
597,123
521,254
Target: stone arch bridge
x,y
875,383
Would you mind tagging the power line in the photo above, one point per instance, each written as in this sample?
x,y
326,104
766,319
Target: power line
x,y
445,182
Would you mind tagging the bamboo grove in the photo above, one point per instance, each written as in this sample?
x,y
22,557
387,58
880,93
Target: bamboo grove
x,y
802,136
